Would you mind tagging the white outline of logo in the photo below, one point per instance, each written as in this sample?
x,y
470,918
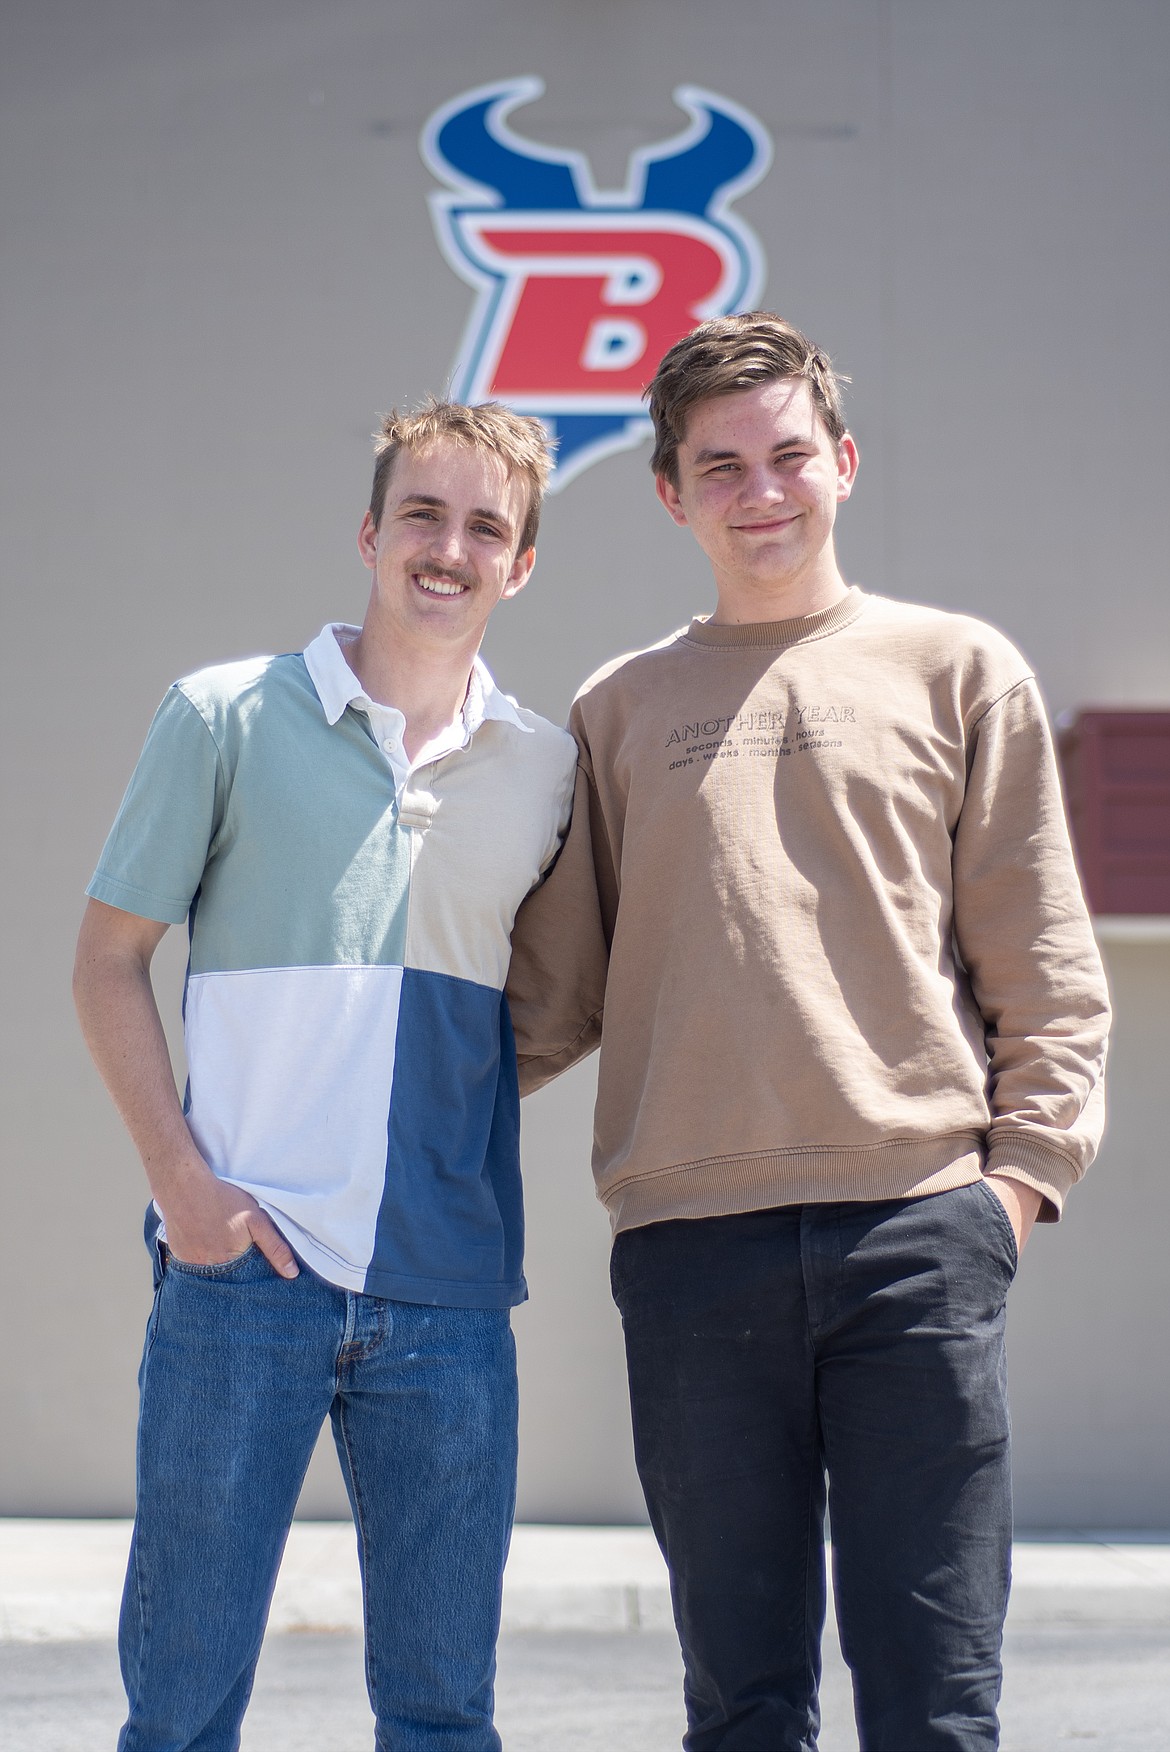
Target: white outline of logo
x,y
467,208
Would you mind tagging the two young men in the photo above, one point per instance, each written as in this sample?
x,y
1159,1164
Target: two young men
x,y
337,1217
817,906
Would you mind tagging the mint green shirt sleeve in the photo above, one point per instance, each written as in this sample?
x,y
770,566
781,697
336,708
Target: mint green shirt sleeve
x,y
153,861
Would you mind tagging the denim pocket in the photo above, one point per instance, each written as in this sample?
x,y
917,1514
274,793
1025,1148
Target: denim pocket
x,y
1003,1221
224,1268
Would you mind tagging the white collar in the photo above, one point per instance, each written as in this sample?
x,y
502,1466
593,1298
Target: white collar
x,y
338,687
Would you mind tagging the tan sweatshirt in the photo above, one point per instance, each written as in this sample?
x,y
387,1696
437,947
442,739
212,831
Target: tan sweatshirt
x,y
818,907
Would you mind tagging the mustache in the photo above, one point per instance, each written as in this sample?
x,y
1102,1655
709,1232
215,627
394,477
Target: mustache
x,y
448,575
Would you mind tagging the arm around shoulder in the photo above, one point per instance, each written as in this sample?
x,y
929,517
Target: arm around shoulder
x,y
560,949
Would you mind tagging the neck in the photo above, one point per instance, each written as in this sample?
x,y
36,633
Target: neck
x,y
426,683
744,601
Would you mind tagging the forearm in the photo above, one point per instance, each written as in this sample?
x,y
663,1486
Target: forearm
x,y
123,1030
207,1219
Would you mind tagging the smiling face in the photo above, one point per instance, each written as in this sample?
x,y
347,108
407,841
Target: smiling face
x,y
444,551
759,482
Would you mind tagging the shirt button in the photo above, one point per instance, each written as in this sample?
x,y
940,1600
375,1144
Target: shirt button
x,y
390,743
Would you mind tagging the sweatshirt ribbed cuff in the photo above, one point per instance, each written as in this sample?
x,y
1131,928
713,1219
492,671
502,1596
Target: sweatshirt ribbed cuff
x,y
1050,1174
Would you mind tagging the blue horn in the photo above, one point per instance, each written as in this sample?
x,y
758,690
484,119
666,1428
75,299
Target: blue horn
x,y
473,147
684,182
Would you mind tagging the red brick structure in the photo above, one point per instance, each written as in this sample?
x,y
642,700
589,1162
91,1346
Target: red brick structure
x,y
1117,781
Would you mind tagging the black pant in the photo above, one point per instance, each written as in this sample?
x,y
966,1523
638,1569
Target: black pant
x,y
861,1341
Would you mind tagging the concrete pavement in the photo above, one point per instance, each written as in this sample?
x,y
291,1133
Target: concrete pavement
x,y
588,1661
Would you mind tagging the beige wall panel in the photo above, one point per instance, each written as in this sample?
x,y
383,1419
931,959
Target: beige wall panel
x,y
220,265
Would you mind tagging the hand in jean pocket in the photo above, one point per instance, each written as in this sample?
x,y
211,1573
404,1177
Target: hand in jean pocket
x,y
211,1223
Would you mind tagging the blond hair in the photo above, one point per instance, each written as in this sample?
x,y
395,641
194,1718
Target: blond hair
x,y
521,443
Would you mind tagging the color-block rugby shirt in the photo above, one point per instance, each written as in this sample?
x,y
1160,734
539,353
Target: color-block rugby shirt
x,y
350,1054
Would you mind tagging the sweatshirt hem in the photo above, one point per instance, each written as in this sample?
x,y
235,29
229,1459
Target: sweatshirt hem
x,y
721,1186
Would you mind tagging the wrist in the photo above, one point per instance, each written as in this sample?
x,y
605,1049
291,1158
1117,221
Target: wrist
x,y
1021,1201
177,1172
1028,1197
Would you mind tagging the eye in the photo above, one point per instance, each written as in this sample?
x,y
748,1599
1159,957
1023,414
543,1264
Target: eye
x,y
489,530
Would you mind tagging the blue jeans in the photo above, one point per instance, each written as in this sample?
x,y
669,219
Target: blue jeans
x,y
240,1370
858,1342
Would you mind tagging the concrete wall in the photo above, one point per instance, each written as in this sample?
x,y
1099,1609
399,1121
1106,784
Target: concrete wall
x,y
220,266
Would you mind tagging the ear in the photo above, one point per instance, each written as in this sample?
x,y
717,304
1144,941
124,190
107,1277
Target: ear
x,y
668,493
367,541
521,572
847,460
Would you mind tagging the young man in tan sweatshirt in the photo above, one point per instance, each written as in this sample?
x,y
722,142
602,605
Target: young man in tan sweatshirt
x,y
818,908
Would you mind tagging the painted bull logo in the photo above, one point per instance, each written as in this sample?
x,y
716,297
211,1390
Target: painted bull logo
x,y
580,290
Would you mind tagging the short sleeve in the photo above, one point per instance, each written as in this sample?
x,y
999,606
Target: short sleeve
x,y
153,861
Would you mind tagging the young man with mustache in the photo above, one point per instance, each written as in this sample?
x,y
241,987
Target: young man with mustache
x,y
337,1223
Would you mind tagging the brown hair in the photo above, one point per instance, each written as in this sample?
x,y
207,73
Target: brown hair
x,y
734,353
521,443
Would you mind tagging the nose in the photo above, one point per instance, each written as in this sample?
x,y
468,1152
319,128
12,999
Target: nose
x,y
448,545
760,485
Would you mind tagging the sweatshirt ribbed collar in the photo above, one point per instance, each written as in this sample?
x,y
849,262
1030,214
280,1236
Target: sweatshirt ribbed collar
x,y
775,634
